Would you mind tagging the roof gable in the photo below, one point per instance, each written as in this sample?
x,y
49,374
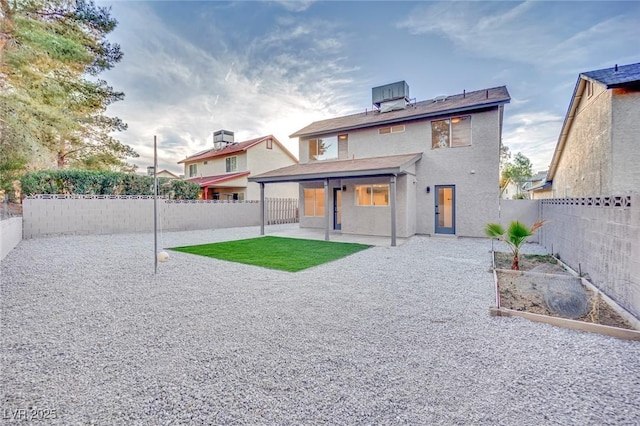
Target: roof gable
x,y
466,101
618,76
235,148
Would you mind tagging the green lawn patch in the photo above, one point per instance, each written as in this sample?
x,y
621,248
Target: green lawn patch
x,y
286,254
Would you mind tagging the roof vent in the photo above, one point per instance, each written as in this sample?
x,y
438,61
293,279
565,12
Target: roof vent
x,y
222,138
390,97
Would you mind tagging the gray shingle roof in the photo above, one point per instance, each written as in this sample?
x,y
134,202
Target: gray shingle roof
x,y
616,76
424,109
361,167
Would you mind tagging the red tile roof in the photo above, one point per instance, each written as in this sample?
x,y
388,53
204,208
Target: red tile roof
x,y
211,180
234,148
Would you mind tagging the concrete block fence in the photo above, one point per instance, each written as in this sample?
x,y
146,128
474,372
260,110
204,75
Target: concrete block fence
x,y
10,235
599,236
96,214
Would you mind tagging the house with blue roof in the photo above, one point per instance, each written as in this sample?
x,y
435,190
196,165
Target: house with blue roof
x,y
598,150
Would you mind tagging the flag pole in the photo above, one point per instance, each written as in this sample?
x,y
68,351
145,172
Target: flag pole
x,y
155,206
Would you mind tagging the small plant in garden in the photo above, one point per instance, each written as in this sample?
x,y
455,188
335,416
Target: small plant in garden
x,y
514,236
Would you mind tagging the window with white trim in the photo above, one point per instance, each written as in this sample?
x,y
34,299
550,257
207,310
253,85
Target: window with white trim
x,y
314,202
372,195
451,133
193,170
231,164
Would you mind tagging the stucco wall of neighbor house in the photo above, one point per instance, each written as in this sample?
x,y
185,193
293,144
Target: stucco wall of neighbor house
x,y
626,137
525,211
261,160
601,241
542,194
80,216
584,168
10,235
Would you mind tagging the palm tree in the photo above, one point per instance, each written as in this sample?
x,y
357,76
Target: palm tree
x,y
515,236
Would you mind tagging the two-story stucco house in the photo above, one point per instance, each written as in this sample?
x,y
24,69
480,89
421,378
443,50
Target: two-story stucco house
x,y
222,171
598,153
403,168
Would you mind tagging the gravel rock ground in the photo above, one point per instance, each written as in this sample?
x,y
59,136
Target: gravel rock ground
x,y
386,336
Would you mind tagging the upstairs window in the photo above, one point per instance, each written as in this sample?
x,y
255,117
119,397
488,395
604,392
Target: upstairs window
x,y
231,164
269,143
323,149
372,195
451,133
391,129
193,170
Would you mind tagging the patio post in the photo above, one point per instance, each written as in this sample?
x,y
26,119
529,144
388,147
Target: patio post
x,y
261,208
392,204
326,210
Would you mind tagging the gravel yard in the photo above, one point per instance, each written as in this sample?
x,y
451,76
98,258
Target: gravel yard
x,y
392,336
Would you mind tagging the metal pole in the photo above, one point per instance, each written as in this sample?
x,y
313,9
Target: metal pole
x,y
392,201
262,207
327,220
155,206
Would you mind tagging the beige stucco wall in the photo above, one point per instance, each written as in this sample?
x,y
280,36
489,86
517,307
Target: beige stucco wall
x,y
542,194
625,175
585,165
474,172
259,160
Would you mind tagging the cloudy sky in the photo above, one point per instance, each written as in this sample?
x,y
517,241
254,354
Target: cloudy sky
x,y
259,68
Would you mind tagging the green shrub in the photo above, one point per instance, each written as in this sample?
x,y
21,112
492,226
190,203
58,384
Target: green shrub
x,y
94,182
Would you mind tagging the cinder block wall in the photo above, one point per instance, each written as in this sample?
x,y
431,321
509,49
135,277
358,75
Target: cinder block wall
x,y
10,235
60,215
525,211
601,237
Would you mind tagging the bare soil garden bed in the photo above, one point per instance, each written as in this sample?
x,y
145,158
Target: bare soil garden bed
x,y
543,286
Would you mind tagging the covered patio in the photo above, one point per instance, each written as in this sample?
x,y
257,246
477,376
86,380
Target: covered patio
x,y
389,167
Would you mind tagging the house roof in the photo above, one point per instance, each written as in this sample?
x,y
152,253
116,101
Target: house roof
x,y
616,76
467,101
625,75
170,173
212,180
361,167
235,148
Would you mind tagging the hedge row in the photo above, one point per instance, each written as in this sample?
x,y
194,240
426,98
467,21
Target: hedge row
x,y
92,182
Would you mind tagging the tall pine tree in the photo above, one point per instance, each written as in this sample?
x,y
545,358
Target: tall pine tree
x,y
52,102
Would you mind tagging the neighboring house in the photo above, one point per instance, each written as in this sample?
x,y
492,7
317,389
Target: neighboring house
x,y
535,182
222,171
403,168
162,173
597,152
510,190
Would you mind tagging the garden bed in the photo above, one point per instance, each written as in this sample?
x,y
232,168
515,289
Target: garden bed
x,y
546,288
